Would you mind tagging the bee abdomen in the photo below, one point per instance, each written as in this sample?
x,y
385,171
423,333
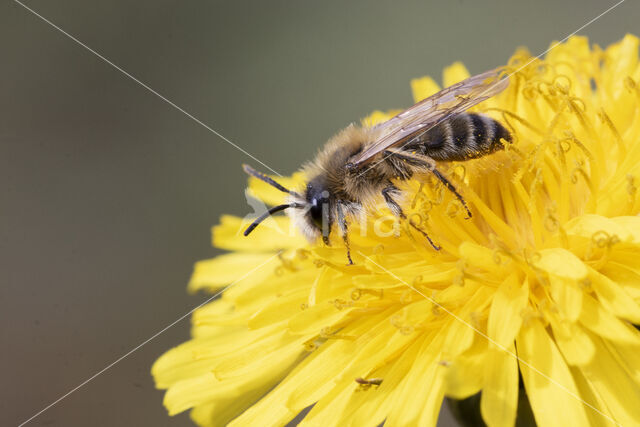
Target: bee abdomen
x,y
465,136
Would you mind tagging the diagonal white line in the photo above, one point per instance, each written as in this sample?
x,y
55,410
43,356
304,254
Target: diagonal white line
x,y
134,349
422,132
500,346
144,85
581,28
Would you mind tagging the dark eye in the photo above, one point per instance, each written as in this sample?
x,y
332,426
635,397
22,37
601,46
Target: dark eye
x,y
317,197
316,212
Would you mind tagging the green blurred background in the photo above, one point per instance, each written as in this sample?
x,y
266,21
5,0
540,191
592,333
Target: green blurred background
x,y
109,193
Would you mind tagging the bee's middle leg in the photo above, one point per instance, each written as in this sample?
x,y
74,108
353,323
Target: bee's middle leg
x,y
429,164
395,208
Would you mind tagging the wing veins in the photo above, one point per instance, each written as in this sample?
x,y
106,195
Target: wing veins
x,y
430,112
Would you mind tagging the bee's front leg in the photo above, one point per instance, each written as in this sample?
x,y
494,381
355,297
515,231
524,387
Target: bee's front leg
x,y
342,225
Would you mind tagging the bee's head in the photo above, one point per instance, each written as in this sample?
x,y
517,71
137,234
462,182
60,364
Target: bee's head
x,y
319,207
311,211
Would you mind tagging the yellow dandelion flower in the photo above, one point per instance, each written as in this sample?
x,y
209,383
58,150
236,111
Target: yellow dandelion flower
x,y
543,282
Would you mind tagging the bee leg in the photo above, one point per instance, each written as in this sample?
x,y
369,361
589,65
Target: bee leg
x,y
451,188
342,225
395,208
429,164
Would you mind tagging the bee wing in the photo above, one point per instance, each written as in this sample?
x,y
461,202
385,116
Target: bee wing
x,y
428,113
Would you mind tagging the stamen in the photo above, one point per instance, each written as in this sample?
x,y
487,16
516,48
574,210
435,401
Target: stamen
x,y
622,154
631,85
585,284
602,240
310,345
341,304
418,196
286,263
497,255
564,86
509,114
329,333
631,190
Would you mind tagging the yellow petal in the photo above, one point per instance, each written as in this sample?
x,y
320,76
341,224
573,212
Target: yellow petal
x,y
499,400
423,88
214,273
625,53
422,275
479,256
339,406
180,362
279,349
411,408
270,195
378,117
505,317
599,415
233,396
562,263
454,73
618,390
627,275
460,333
552,392
198,356
463,375
631,225
589,225
314,376
627,356
575,345
605,324
314,319
190,392
614,298
263,292
375,409
568,297
273,234
330,410
205,415
279,309
368,349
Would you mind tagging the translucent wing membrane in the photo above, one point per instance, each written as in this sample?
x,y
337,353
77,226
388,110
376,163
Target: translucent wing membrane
x,y
428,113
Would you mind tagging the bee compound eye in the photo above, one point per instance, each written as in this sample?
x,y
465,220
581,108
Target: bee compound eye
x,y
319,212
315,211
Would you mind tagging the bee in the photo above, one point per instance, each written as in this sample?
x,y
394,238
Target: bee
x,y
362,164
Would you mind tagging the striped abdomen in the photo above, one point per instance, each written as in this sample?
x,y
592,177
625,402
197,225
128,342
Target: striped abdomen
x,y
464,136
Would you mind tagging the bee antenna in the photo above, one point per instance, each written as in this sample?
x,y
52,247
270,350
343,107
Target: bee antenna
x,y
262,177
270,212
